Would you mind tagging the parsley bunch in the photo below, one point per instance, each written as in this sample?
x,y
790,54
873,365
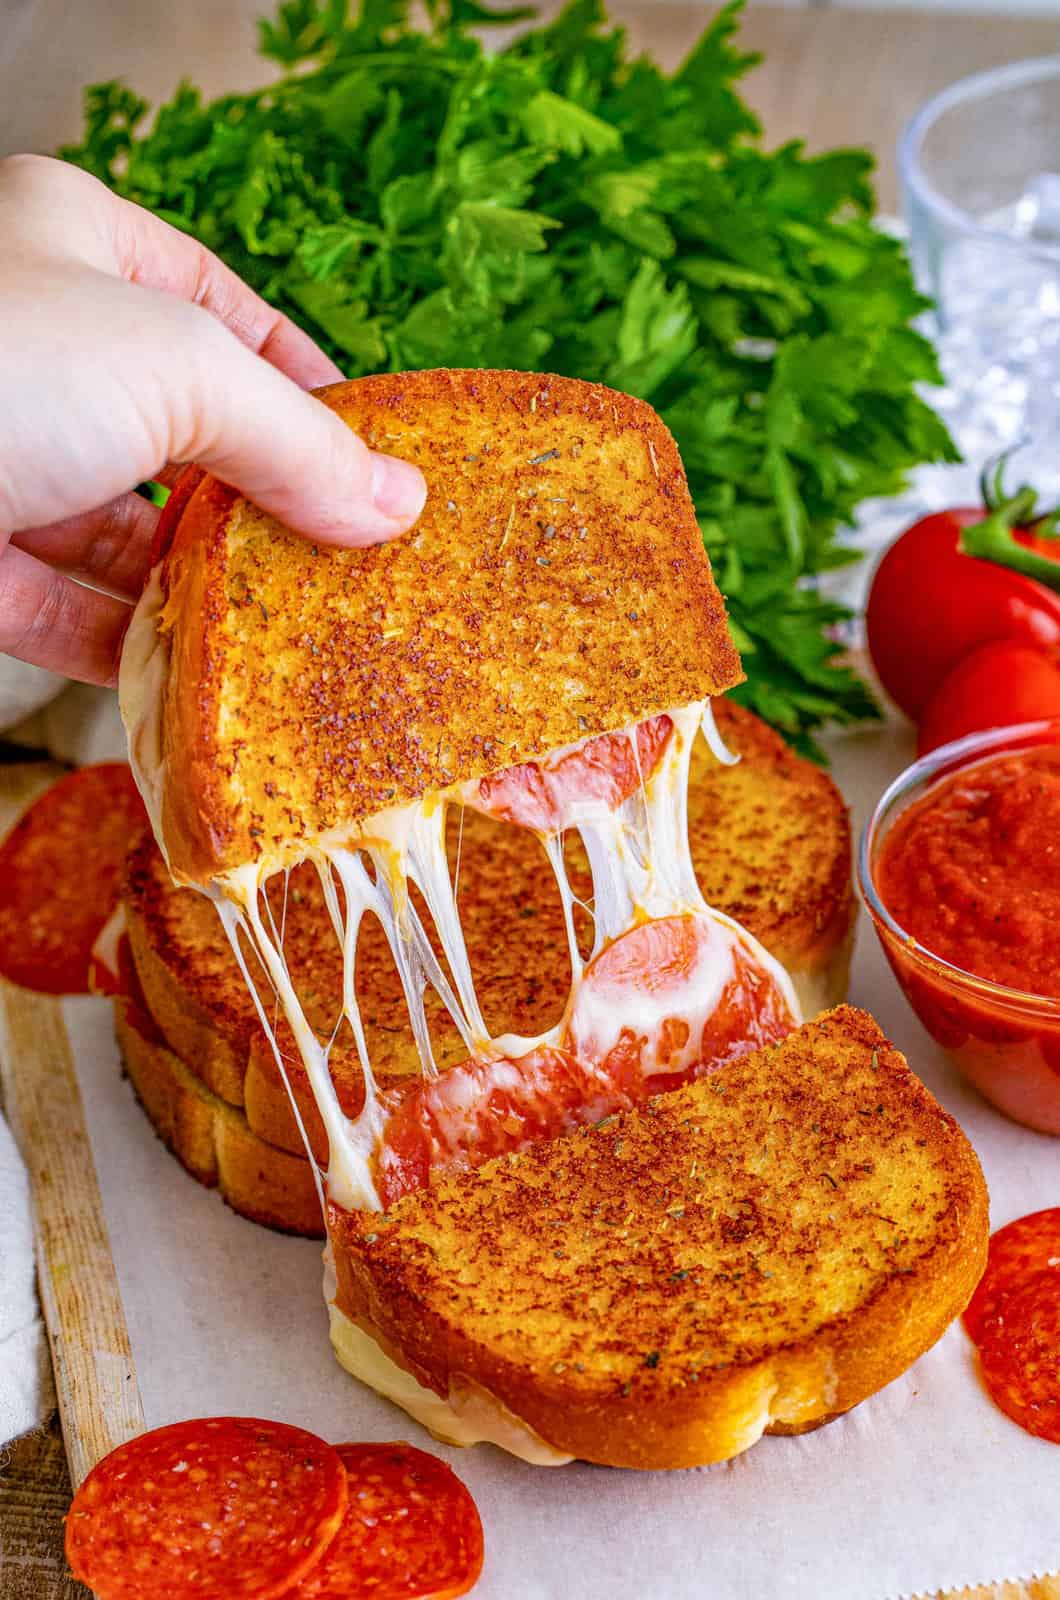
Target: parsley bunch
x,y
413,201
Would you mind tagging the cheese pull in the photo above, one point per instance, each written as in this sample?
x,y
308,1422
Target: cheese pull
x,y
672,987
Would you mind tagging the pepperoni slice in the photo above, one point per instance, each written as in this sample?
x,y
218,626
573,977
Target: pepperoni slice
x,y
219,1508
1028,1245
483,1107
671,999
546,795
60,875
183,488
411,1530
1020,1354
664,1003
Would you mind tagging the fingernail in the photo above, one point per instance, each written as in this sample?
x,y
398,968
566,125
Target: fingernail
x,y
398,489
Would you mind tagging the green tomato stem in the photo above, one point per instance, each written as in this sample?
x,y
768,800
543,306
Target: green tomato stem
x,y
991,540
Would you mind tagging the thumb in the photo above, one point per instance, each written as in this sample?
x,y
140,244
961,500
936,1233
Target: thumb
x,y
254,428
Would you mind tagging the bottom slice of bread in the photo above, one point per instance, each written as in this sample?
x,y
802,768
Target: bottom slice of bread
x,y
212,1139
758,1251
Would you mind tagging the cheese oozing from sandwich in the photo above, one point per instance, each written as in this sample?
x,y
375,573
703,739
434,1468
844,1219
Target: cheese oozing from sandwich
x,y
643,882
644,892
468,1415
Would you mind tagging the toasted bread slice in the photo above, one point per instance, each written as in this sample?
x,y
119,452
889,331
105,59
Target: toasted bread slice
x,y
210,1138
304,689
762,1249
770,840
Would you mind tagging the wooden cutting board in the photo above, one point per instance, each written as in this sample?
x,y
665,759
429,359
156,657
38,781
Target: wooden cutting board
x,y
95,1381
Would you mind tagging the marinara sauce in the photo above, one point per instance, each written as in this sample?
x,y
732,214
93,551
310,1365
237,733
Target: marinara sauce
x,y
971,874
972,871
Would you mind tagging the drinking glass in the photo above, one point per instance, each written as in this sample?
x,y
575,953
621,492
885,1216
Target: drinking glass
x,y
980,173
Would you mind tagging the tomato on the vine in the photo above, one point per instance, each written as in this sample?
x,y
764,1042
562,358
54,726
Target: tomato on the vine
x,y
959,579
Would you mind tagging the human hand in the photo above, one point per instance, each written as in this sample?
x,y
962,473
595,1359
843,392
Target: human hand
x,y
125,345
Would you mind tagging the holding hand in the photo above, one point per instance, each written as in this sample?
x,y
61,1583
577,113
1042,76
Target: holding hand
x,y
124,346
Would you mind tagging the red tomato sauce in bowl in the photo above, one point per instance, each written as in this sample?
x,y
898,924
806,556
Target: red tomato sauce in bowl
x,y
960,871
972,870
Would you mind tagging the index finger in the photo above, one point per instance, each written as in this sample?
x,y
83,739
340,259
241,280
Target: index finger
x,y
152,252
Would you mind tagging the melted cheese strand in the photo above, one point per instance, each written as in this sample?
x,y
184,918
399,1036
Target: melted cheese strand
x,y
718,748
232,921
395,913
642,792
326,876
427,865
350,1141
553,846
358,890
435,975
614,903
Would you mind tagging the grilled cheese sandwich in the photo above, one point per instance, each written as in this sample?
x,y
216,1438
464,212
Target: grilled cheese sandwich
x,y
330,709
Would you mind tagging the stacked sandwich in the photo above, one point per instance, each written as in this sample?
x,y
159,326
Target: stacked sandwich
x,y
589,1189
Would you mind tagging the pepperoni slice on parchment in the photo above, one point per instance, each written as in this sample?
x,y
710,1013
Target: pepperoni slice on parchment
x,y
1030,1244
220,1508
411,1531
60,874
1020,1354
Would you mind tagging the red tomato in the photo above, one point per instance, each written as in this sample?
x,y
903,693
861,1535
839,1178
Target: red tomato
x,y
931,603
995,686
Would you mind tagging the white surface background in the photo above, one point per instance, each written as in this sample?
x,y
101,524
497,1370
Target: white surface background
x,y
925,1486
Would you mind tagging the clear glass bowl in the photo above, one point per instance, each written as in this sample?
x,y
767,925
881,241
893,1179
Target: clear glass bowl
x,y
1005,1041
980,176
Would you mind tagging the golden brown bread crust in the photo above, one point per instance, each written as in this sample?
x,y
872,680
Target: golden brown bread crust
x,y
770,1245
771,843
770,840
556,584
187,974
211,1139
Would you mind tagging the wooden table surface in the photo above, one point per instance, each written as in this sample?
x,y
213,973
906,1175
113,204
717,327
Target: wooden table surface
x,y
830,77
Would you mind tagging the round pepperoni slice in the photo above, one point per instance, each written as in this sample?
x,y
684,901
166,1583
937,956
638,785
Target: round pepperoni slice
x,y
1020,1354
479,1108
671,999
60,874
664,1003
411,1530
1028,1245
220,1508
546,795
185,484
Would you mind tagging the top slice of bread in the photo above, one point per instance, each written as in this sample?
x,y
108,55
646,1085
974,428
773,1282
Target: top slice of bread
x,y
555,586
759,1250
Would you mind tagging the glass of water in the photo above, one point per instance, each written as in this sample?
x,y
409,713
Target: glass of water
x,y
980,171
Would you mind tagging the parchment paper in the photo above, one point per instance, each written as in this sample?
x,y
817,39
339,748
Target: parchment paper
x,y
925,1486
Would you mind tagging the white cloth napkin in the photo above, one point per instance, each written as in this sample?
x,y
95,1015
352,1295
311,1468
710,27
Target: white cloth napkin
x,y
81,725
27,1393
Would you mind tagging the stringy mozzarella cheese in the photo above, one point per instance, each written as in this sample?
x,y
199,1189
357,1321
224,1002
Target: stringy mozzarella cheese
x,y
141,680
642,871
